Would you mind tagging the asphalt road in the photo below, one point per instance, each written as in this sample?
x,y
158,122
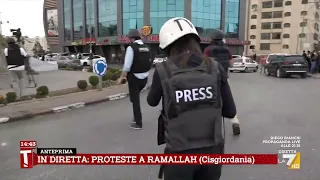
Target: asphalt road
x,y
267,107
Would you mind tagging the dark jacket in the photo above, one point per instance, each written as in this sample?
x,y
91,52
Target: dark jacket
x,y
228,109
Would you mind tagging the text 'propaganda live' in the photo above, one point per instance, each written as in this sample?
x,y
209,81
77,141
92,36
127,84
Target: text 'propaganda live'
x,y
31,155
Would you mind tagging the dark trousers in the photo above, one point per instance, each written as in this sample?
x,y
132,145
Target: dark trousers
x,y
135,87
195,172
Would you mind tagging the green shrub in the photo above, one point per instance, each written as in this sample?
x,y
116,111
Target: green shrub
x,y
11,97
94,80
114,76
42,92
82,84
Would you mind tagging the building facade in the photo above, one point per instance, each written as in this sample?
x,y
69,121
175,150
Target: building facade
x,y
102,25
283,26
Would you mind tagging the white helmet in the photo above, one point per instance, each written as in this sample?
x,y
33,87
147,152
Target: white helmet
x,y
174,29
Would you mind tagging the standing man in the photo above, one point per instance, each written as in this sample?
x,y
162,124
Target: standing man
x,y
137,63
221,53
15,57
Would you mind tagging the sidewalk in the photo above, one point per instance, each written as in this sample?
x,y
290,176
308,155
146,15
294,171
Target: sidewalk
x,y
29,109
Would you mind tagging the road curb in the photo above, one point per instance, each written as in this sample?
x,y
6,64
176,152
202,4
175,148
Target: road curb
x,y
69,107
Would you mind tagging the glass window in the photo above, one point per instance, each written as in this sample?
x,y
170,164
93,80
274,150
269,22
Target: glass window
x,y
252,37
276,35
286,36
277,14
266,25
285,46
278,3
90,28
265,36
267,4
254,16
276,25
286,25
161,11
303,24
107,18
253,27
286,14
132,15
304,13
304,2
77,19
67,19
288,3
264,46
232,18
266,15
302,35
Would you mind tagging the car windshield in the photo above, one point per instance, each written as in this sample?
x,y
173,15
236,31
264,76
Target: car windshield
x,y
294,58
237,60
160,56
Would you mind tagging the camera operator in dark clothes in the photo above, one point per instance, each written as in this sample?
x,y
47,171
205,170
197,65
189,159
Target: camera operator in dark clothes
x,y
221,53
195,95
137,63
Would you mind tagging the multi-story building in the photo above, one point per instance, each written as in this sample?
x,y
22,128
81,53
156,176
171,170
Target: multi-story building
x,y
283,26
105,23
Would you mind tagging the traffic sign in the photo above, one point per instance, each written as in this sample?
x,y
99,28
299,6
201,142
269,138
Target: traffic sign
x,y
100,68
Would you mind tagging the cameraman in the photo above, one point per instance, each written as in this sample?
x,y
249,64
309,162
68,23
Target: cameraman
x,y
15,57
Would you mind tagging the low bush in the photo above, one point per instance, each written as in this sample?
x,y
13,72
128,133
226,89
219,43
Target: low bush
x,y
94,80
42,91
11,97
82,84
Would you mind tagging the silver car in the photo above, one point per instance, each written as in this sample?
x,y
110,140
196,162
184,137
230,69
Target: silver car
x,y
68,61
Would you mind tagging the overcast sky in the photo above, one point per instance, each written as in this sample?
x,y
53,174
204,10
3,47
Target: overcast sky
x,y
24,14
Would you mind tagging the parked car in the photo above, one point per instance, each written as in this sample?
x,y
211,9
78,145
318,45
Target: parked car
x,y
159,59
285,65
88,61
244,64
68,61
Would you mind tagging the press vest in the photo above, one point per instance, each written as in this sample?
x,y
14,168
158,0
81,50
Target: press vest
x,y
221,54
15,57
142,59
192,105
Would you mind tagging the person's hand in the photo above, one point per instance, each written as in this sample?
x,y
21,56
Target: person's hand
x,y
121,80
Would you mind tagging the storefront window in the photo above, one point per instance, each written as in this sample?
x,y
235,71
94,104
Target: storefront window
x,y
90,18
161,11
107,17
67,19
77,19
206,15
232,18
132,15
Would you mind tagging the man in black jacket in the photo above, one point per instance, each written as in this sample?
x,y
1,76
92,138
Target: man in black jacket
x,y
137,63
15,57
221,53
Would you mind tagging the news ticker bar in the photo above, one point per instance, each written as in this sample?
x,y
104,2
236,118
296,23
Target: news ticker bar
x,y
70,156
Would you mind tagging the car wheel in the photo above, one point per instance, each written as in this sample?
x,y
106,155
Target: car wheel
x,y
266,72
255,69
231,70
303,75
85,64
246,70
279,75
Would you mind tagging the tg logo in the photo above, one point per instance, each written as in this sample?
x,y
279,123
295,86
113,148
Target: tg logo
x,y
26,158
